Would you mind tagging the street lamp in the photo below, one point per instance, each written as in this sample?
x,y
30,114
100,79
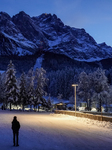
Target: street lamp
x,y
74,85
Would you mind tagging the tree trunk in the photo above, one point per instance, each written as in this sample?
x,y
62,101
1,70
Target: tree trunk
x,y
30,107
34,108
38,107
106,104
3,106
23,107
100,105
10,106
90,104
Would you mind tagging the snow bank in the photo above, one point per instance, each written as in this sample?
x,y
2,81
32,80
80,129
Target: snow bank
x,y
86,121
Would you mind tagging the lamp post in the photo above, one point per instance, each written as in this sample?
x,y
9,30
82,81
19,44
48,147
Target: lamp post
x,y
74,85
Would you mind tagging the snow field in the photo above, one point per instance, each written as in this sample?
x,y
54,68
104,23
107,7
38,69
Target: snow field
x,y
48,131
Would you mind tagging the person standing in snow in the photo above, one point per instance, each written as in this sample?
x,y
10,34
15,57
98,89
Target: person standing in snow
x,y
15,128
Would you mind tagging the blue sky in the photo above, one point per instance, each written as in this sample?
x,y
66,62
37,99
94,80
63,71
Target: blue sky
x,y
95,16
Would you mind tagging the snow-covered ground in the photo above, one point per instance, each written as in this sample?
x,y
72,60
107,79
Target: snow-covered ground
x,y
48,131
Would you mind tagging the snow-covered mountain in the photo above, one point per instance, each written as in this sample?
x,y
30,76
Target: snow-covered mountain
x,y
24,35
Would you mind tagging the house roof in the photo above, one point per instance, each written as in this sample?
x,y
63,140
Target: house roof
x,y
61,103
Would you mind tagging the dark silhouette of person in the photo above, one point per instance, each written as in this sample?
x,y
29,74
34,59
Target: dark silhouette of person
x,y
15,128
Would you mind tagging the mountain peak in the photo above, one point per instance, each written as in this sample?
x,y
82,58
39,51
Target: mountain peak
x,y
21,15
24,34
22,12
4,15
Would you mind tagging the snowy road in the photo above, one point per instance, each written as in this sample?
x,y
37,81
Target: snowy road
x,y
40,131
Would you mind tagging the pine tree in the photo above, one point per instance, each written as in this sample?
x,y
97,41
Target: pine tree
x,y
30,87
40,82
11,86
100,87
84,86
22,91
110,95
2,89
49,102
31,95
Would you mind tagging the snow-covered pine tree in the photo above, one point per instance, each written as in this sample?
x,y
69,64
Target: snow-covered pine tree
x,y
84,87
2,89
49,102
22,91
110,95
101,87
110,75
0,86
31,94
40,82
11,86
30,87
51,84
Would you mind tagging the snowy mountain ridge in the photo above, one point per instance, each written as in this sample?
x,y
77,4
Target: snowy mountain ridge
x,y
24,35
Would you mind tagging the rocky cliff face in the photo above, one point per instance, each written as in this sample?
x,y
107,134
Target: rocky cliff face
x,y
24,35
